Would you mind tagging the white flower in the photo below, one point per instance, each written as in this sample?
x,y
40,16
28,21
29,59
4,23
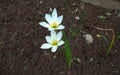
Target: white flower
x,y
53,41
53,21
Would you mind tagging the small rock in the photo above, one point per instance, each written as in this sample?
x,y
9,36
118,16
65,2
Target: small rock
x,y
76,10
88,38
115,51
41,2
77,18
50,9
74,4
26,33
78,59
91,59
83,6
54,57
108,14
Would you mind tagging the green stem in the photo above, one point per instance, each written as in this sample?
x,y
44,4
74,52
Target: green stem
x,y
67,50
111,44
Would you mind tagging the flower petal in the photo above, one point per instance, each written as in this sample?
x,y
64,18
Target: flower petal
x,y
44,24
48,18
61,43
54,14
54,48
53,34
51,29
46,46
48,39
61,27
60,19
59,36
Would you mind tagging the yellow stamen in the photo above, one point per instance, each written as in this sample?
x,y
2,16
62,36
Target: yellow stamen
x,y
54,25
54,42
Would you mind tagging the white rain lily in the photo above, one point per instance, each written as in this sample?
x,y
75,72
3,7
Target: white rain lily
x,y
53,41
53,21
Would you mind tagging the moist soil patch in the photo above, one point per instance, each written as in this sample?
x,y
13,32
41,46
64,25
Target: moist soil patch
x,y
21,37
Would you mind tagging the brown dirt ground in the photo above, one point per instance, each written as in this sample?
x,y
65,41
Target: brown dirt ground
x,y
21,37
111,4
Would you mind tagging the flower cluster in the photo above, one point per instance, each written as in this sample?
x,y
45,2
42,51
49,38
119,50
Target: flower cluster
x,y
53,24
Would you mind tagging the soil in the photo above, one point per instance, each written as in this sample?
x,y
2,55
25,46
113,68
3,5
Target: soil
x,y
21,37
111,4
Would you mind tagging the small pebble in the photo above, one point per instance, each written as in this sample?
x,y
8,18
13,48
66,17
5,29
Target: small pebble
x,y
76,10
88,38
108,14
74,4
78,59
54,57
77,18
41,2
91,59
50,9
26,33
82,7
115,51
